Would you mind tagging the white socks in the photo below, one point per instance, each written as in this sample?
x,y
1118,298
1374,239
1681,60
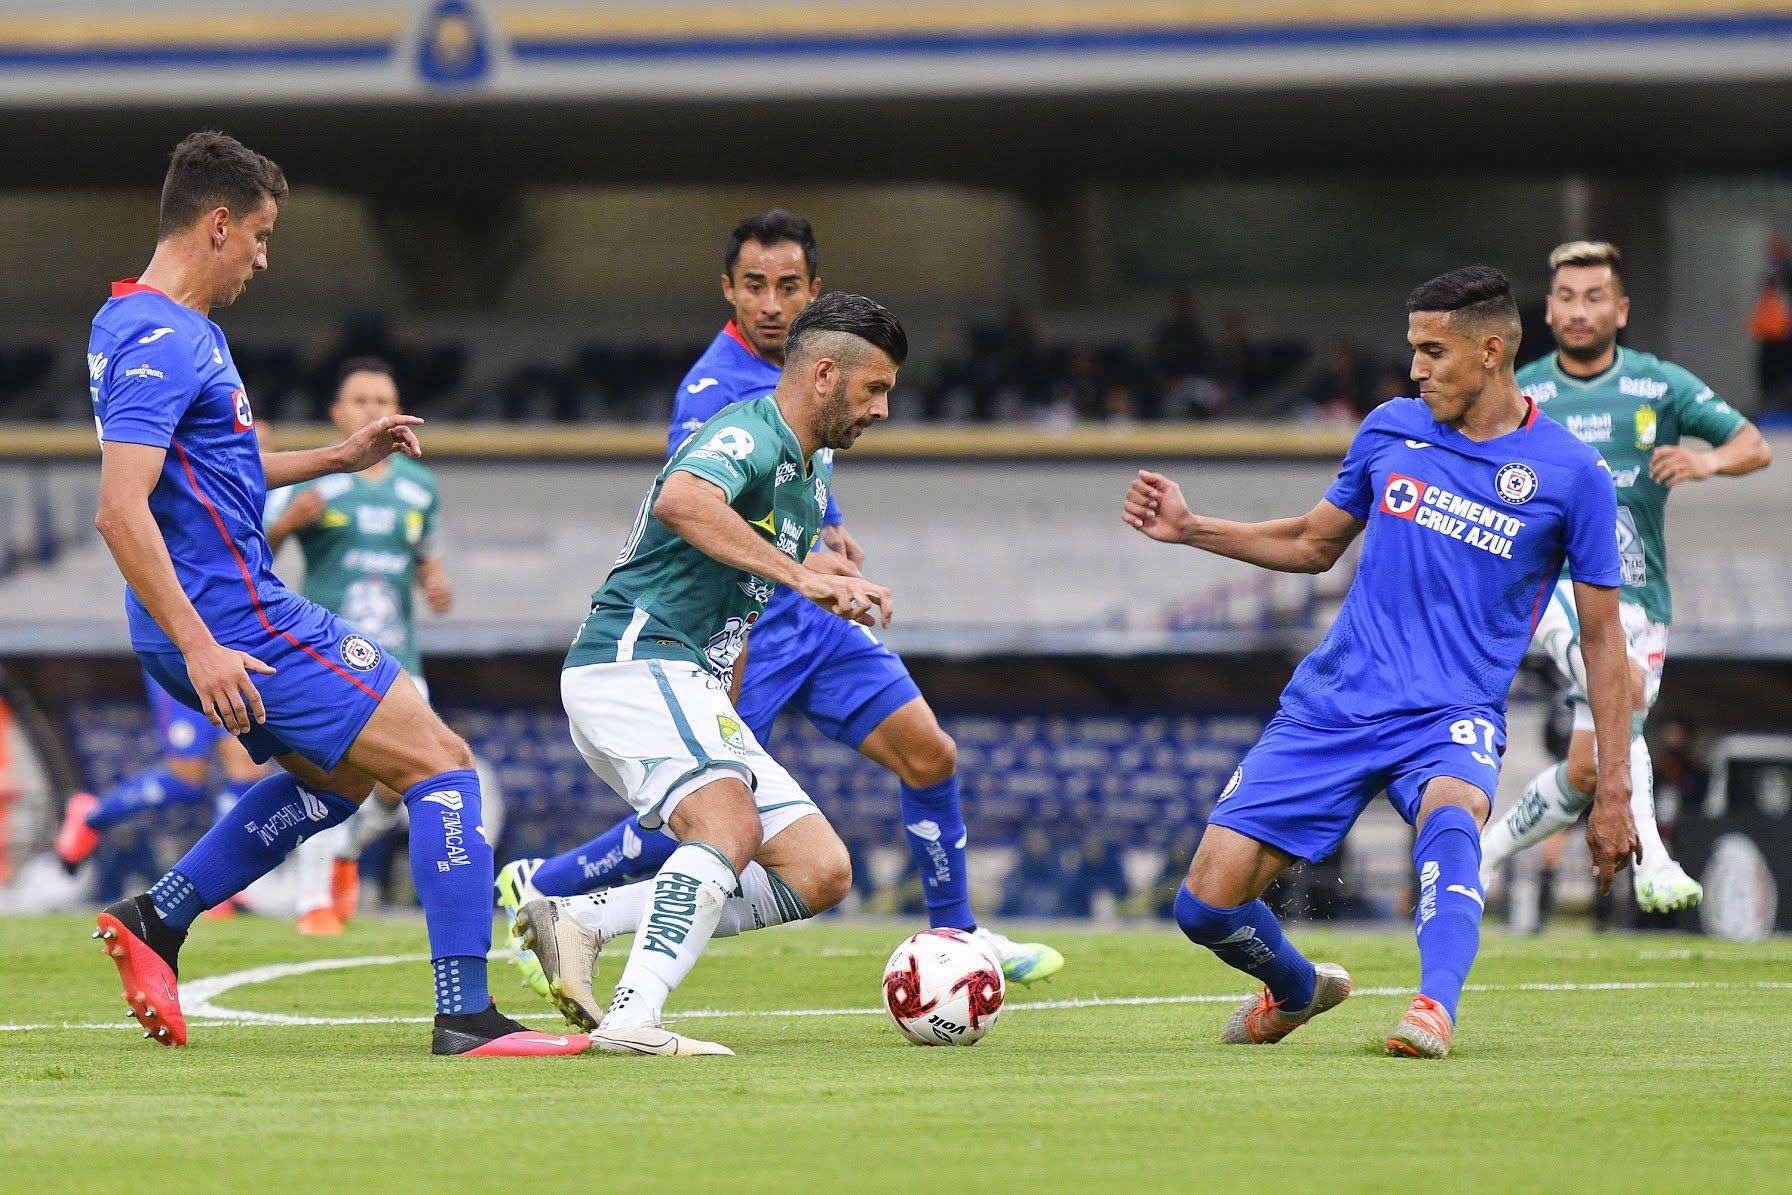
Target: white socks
x,y
1642,807
765,901
1549,804
682,911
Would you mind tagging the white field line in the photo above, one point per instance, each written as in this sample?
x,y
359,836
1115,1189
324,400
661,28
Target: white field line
x,y
200,995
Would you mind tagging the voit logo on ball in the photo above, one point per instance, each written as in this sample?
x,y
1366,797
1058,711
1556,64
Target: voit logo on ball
x,y
359,653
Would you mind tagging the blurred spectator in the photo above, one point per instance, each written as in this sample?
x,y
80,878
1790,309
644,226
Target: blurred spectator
x,y
1035,887
1344,391
1185,364
1098,886
1771,326
1681,775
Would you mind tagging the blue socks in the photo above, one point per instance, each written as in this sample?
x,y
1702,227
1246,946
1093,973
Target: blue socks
x,y
146,790
620,855
1447,857
1249,938
451,868
934,823
265,826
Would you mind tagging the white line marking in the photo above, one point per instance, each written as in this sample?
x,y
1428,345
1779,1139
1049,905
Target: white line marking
x,y
199,997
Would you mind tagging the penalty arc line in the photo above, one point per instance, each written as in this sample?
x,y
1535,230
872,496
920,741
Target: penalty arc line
x,y
202,1011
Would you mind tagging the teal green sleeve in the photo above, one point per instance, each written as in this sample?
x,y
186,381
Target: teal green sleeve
x,y
731,454
429,517
1702,413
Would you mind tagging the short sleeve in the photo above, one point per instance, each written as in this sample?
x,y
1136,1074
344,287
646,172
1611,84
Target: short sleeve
x,y
698,400
1591,534
427,541
1351,492
149,383
1701,412
733,453
278,501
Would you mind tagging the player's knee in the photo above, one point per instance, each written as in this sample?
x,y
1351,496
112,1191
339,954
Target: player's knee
x,y
830,878
451,752
1582,773
930,760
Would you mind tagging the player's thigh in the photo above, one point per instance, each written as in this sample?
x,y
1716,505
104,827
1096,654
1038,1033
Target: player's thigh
x,y
1464,746
720,814
405,742
912,743
655,731
1558,634
1301,788
1230,868
344,780
807,854
1646,642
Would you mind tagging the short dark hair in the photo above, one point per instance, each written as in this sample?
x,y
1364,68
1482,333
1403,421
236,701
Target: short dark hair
x,y
855,315
364,364
771,228
1588,253
1473,294
211,170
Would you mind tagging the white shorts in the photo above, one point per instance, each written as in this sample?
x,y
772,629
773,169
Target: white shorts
x,y
656,731
1558,633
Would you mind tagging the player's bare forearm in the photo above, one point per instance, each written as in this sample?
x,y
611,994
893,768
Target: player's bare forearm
x,y
128,472
698,513
432,577
1611,831
1743,453
1283,545
375,441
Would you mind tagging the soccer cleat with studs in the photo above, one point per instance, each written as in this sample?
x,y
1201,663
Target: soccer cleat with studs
x,y
146,953
1260,1021
567,954
1424,1032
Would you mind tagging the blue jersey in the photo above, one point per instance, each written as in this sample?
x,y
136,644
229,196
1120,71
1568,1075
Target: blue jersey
x,y
729,371
162,375
1464,542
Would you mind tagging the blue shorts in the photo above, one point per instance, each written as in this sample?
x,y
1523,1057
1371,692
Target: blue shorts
x,y
183,733
1302,787
836,672
327,681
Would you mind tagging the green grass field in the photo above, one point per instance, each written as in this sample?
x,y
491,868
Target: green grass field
x,y
1681,1083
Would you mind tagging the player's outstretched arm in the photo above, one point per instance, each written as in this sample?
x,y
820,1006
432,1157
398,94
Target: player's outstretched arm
x,y
697,511
220,675
1311,543
1742,454
375,442
1611,831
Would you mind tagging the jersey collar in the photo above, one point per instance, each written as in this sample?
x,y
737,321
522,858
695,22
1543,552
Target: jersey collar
x,y
130,286
1579,383
732,330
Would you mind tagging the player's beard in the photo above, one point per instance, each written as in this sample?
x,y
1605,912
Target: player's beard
x,y
834,418
1588,353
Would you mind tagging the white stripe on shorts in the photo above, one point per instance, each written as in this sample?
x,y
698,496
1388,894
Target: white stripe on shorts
x,y
625,646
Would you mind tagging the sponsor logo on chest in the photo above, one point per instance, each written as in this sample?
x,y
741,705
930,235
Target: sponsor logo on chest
x,y
376,520
1539,392
1642,387
1591,429
1462,519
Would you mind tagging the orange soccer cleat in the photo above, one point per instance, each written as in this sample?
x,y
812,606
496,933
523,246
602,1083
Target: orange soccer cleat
x,y
322,923
345,889
77,840
147,953
1260,1021
1424,1032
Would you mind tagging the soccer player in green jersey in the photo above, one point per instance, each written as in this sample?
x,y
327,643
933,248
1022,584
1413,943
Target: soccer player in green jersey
x,y
1634,408
369,541
648,684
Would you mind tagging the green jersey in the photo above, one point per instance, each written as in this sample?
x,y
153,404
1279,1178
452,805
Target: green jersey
x,y
361,554
1639,404
665,599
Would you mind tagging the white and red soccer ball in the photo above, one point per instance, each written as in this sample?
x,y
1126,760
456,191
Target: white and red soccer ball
x,y
943,987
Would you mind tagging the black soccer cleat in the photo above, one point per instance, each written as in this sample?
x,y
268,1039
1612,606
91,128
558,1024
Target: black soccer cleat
x,y
491,1034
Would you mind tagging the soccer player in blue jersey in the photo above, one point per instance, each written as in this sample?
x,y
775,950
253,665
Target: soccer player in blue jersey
x,y
1471,500
182,488
853,688
182,777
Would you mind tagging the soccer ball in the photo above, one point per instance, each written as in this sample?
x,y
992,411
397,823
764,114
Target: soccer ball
x,y
943,987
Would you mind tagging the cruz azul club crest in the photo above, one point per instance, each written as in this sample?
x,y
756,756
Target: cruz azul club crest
x,y
240,412
359,653
1515,483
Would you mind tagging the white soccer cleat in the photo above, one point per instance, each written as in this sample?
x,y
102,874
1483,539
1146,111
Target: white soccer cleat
x,y
567,953
1666,889
655,1039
